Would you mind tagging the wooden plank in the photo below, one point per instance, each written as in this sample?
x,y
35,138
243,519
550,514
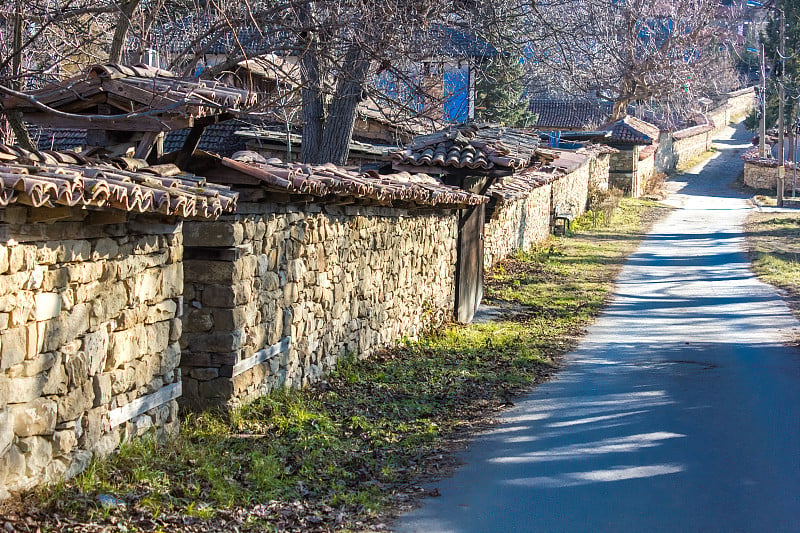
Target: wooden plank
x,y
139,406
111,216
146,144
261,356
47,214
151,98
140,123
189,145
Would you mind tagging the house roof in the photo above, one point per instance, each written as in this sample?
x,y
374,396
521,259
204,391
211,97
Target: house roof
x,y
622,132
453,42
329,182
59,139
569,114
146,98
50,179
272,137
471,146
218,138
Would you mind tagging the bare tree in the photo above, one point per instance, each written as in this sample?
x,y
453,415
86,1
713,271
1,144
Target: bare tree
x,y
629,50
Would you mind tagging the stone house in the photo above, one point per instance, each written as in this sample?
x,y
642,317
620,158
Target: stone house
x,y
91,285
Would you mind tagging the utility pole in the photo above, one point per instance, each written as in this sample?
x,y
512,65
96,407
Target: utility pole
x,y
762,126
781,118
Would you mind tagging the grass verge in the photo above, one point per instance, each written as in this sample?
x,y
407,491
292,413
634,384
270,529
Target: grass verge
x,y
773,240
352,450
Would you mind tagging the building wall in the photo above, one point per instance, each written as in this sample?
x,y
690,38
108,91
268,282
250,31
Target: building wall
x,y
305,288
689,148
517,225
599,168
88,337
570,192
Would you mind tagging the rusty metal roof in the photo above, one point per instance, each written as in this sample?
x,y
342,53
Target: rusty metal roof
x,y
329,182
471,147
50,179
144,98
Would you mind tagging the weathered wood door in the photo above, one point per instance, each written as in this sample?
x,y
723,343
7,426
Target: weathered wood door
x,y
469,264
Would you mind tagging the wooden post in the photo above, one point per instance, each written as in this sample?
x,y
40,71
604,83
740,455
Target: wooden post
x,y
190,145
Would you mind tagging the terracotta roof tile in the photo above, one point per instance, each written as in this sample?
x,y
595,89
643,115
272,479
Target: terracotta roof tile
x,y
471,146
400,189
152,95
49,178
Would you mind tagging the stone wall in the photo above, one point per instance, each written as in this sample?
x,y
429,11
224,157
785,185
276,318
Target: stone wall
x,y
570,192
644,172
88,337
517,225
688,148
623,171
765,177
301,288
599,168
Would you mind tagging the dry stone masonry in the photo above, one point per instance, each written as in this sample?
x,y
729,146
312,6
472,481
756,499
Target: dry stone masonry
x,y
299,288
89,333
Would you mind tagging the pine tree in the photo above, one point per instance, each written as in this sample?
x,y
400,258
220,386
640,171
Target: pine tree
x,y
500,94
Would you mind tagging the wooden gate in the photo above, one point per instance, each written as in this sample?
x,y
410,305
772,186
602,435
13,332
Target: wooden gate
x,y
469,264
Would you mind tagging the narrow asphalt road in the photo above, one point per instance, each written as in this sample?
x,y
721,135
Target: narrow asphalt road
x,y
680,410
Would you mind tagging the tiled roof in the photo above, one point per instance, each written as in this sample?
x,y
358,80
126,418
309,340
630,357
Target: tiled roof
x,y
624,133
566,114
49,179
58,139
568,160
154,99
218,138
182,36
647,151
510,188
651,130
328,181
471,146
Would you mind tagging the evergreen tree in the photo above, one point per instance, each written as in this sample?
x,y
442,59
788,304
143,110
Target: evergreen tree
x,y
791,65
500,94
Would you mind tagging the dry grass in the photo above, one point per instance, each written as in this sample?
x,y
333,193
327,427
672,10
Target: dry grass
x,y
773,240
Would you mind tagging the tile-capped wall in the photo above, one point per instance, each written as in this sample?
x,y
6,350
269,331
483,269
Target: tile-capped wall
x,y
88,337
276,294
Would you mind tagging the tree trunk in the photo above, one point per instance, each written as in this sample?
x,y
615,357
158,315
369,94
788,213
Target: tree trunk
x,y
121,32
342,112
620,109
313,110
15,118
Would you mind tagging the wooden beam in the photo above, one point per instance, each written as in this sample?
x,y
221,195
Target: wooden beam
x,y
190,145
47,214
146,144
261,356
141,123
139,406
